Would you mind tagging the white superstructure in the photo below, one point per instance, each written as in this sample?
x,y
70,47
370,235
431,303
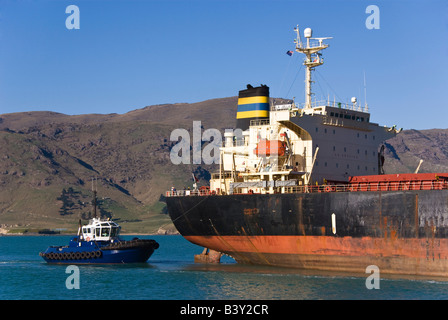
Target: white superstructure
x,y
301,144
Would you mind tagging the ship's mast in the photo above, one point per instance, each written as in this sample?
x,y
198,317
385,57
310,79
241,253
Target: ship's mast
x,y
313,57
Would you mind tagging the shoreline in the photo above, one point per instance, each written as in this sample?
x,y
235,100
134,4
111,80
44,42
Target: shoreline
x,y
34,234
5,232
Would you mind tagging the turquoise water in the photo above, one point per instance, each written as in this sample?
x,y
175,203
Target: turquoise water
x,y
171,274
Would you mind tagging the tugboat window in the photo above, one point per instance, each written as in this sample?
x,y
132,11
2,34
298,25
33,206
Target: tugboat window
x,y
114,232
105,232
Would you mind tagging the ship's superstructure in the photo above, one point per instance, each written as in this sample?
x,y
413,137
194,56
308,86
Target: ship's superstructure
x,y
292,144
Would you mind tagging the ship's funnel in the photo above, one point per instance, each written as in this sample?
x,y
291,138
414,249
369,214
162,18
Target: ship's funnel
x,y
253,104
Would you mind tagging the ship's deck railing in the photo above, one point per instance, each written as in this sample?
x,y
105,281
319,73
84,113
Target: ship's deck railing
x,y
182,193
260,122
321,103
372,186
355,187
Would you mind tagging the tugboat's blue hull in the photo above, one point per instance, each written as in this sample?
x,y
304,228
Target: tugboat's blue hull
x,y
90,252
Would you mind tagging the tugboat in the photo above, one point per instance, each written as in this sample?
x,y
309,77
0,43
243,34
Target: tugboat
x,y
99,242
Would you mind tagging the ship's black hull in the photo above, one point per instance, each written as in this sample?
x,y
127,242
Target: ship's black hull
x,y
398,231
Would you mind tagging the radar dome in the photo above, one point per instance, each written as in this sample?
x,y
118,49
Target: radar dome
x,y
308,32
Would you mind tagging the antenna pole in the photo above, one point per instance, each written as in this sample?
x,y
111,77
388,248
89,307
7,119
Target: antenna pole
x,y
94,197
366,106
313,58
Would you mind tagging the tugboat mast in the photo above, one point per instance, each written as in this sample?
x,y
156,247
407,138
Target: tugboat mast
x,y
94,202
313,57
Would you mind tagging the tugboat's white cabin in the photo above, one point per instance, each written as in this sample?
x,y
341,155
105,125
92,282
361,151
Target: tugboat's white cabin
x,y
100,230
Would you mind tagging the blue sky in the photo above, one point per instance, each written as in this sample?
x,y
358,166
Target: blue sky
x,y
131,54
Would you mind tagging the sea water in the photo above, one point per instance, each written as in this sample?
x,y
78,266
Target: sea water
x,y
171,274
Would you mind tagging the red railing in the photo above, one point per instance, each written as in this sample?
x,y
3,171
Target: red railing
x,y
353,187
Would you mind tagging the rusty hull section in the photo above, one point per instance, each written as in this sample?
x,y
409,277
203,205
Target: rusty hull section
x,y
394,256
400,232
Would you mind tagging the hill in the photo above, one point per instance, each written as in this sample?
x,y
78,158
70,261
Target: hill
x,y
404,152
49,160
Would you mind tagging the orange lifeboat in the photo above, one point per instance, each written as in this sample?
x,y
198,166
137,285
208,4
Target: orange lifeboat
x,y
270,147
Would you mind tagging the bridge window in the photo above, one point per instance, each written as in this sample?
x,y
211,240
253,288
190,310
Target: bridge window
x,y
105,232
115,231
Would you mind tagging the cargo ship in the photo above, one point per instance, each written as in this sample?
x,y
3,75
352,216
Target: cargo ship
x,y
303,186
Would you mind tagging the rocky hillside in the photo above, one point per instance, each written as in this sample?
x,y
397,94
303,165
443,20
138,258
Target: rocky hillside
x,y
49,160
404,152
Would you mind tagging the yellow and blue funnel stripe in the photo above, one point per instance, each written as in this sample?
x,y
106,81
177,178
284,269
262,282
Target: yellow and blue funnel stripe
x,y
253,104
253,107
